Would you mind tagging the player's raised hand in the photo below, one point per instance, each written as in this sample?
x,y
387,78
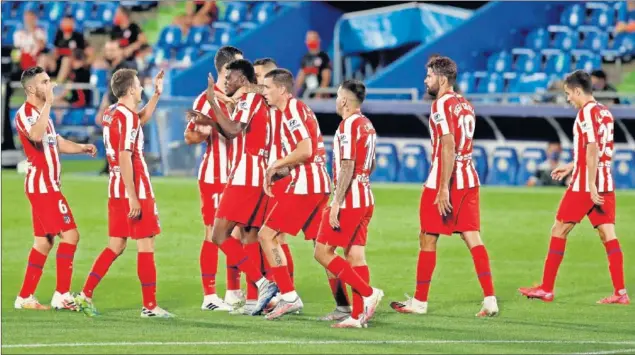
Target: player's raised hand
x,y
50,97
226,99
198,118
210,86
334,216
443,202
561,172
135,208
89,149
239,93
595,196
158,82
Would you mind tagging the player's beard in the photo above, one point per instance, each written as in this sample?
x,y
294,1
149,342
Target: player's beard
x,y
433,91
41,95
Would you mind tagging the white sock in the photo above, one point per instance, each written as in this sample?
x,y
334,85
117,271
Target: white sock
x,y
290,296
260,282
344,309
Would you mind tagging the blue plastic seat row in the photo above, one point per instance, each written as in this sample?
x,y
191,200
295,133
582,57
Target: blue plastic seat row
x,y
92,14
564,38
593,13
550,61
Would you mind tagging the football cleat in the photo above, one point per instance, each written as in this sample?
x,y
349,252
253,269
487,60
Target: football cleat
x,y
349,322
410,305
272,304
214,303
266,292
336,315
536,292
156,312
86,305
490,307
29,303
370,305
615,299
245,309
234,298
64,301
285,307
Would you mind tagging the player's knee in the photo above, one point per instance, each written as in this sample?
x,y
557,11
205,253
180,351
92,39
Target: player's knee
x,y
218,237
117,245
356,259
561,230
43,245
70,237
428,242
266,235
606,232
320,253
472,239
145,245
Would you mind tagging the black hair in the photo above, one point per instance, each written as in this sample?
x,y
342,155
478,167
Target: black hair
x,y
29,74
599,74
444,66
282,77
245,68
356,87
225,55
265,61
579,79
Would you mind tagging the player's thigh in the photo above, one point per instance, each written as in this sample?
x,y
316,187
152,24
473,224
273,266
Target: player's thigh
x,y
250,235
312,226
606,232
604,214
210,195
117,245
573,207
145,245
351,221
118,221
356,255
208,232
52,213
466,210
431,221
291,212
147,225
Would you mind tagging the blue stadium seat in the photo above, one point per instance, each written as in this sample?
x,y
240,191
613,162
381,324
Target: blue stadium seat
x,y
479,158
224,34
493,83
8,29
80,11
99,77
414,165
236,12
530,160
572,16
602,18
160,55
387,163
101,14
499,62
198,35
595,41
262,12
528,63
504,167
621,11
557,62
55,12
170,37
624,169
624,43
188,55
566,155
537,39
588,62
74,117
467,82
566,40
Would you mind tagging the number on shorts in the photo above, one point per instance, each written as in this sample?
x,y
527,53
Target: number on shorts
x,y
216,198
62,206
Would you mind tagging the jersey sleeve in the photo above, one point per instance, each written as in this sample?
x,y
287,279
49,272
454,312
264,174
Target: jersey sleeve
x,y
348,134
442,117
246,108
24,122
130,124
297,123
585,122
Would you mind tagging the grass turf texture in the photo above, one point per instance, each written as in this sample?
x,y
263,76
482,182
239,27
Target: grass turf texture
x,y
516,225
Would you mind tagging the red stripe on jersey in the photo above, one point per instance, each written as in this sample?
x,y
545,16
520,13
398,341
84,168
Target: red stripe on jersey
x,y
300,123
356,140
44,167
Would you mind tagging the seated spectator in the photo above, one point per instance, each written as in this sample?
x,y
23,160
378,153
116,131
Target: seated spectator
x,y
601,84
128,33
58,62
202,12
30,41
629,25
184,22
315,70
543,173
79,74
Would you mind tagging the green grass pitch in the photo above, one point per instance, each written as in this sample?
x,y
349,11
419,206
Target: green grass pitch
x,y
515,223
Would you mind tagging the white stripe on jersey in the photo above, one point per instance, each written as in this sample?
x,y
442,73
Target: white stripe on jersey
x,y
459,175
432,177
30,179
301,187
43,188
49,162
586,118
209,172
355,193
470,174
443,122
255,173
348,131
316,178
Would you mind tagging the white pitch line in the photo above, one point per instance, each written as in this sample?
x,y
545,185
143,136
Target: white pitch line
x,y
608,352
316,342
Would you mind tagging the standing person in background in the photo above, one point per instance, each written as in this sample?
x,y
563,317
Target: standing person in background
x,y
30,41
128,33
315,70
601,84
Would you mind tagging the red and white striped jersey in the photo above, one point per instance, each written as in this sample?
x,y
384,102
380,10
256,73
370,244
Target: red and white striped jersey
x,y
453,114
275,129
593,124
355,140
250,149
300,123
214,168
123,131
43,159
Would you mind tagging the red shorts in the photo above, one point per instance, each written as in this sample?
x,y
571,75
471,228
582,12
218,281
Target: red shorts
x,y
278,189
353,227
51,214
242,204
575,205
292,213
465,216
120,226
210,199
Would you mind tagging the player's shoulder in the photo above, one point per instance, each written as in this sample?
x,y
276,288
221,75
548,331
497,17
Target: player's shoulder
x,y
124,112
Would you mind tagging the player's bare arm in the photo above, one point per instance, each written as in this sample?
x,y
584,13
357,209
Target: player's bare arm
x,y
39,128
592,158
125,164
193,136
68,147
447,161
344,179
230,129
146,112
562,171
205,120
298,156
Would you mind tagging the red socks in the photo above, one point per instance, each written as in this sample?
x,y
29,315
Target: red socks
x,y
253,253
283,279
236,257
209,267
343,270
287,253
425,267
616,264
147,272
64,259
339,292
481,264
552,263
99,270
33,273
358,301
233,277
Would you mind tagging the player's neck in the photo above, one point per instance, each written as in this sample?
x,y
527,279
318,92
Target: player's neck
x,y
220,84
349,112
33,100
128,102
443,91
283,103
586,99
